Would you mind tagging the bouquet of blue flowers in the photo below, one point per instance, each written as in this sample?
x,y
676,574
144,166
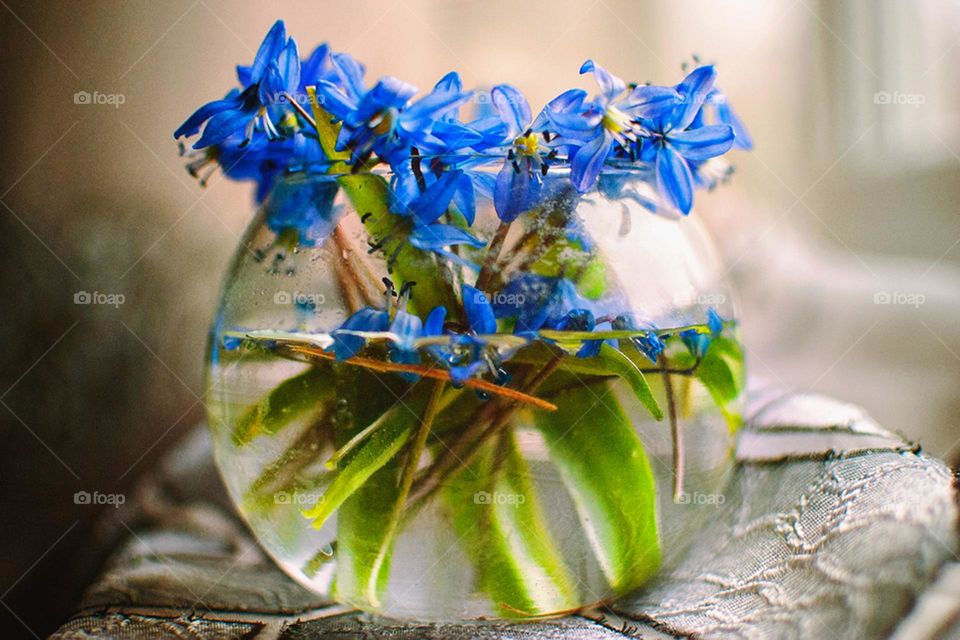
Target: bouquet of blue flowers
x,y
485,304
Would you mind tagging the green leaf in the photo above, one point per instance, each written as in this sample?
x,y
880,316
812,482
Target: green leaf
x,y
363,490
370,196
366,459
327,132
287,401
608,362
605,469
501,526
721,372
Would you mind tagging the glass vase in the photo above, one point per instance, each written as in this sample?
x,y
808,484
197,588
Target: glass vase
x,y
455,469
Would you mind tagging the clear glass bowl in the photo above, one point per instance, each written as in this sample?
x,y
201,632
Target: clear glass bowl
x,y
511,509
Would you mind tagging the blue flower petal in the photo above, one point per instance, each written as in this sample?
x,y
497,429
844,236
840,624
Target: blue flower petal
x,y
388,93
269,49
408,328
575,126
610,85
703,143
726,115
192,124
465,199
432,237
588,161
693,91
649,101
288,63
349,73
314,65
569,100
674,180
334,100
434,324
433,106
347,345
714,322
224,124
512,108
460,374
479,312
433,203
452,135
516,191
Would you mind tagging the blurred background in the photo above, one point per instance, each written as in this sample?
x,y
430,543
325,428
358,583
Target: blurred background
x,y
841,230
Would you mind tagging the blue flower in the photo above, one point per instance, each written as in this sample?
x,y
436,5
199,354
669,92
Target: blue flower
x,y
699,341
646,341
519,183
671,144
717,103
274,72
536,302
437,237
607,121
304,206
384,121
480,316
408,328
581,320
345,343
426,208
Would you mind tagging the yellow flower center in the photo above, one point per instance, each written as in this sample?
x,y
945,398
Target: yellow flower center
x,y
615,121
527,144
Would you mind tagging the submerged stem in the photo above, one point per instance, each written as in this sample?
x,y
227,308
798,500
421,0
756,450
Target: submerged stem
x,y
675,432
489,422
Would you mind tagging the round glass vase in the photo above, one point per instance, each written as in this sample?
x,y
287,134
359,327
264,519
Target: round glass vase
x,y
463,470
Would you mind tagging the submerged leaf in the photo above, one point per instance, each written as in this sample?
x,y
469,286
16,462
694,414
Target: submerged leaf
x,y
605,469
721,372
501,526
287,401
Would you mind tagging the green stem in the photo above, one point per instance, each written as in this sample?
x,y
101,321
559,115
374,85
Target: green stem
x,y
675,432
467,446
493,252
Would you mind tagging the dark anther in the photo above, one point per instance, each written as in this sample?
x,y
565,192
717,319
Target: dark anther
x,y
366,216
407,288
374,246
544,168
527,132
516,166
552,154
510,154
391,261
546,136
390,288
